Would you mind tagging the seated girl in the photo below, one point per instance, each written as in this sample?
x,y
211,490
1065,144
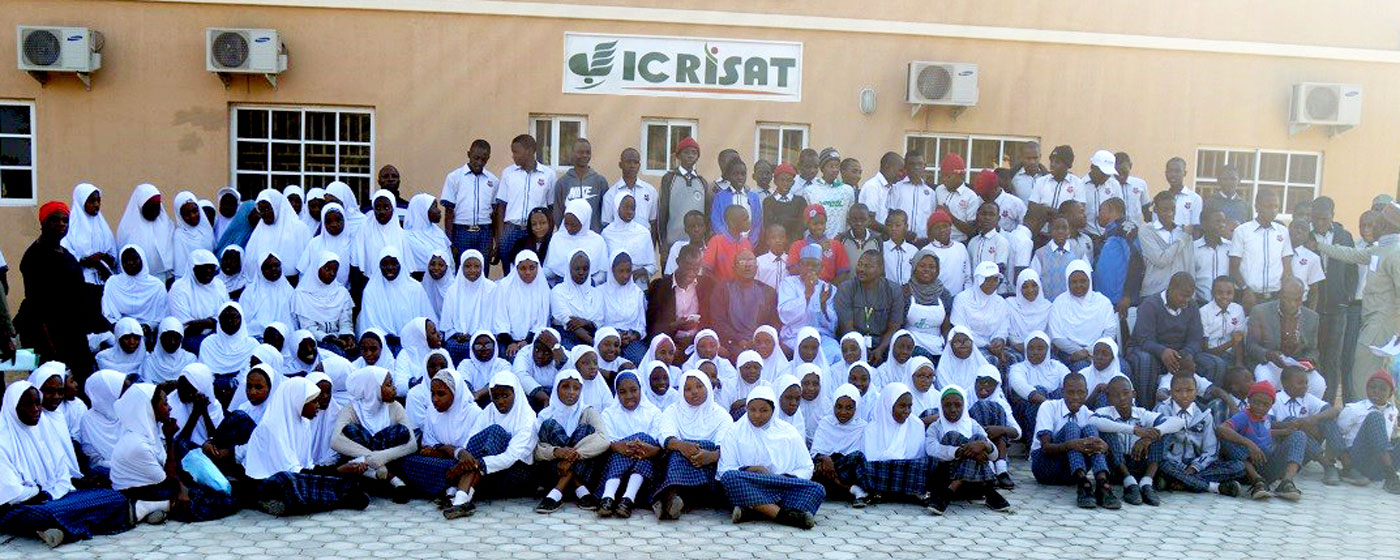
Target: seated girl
x,y
521,307
706,347
333,398
306,354
688,431
575,304
1035,380
629,423
129,354
765,342
537,368
962,456
374,429
258,384
480,365
852,350
816,398
468,308
765,468
809,350
500,447
323,306
837,448
611,360
993,413
789,391
226,351
420,396
1102,369
193,407
896,366
659,392
374,351
444,431
920,384
860,376
750,376
894,447
146,465
100,426
572,435
663,349
417,338
595,392
960,361
164,363
981,308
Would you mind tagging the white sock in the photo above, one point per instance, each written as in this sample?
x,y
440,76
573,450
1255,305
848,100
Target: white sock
x,y
580,491
356,460
634,483
999,466
396,483
451,491
371,473
461,498
1146,481
1129,481
610,487
1214,487
858,492
555,494
144,508
471,494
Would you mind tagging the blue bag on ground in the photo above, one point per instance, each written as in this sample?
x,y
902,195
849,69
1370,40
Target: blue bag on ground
x,y
203,471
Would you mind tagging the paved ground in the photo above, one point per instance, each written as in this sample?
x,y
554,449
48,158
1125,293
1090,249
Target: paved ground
x,y
1340,522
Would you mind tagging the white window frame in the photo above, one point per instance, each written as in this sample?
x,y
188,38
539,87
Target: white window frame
x,y
301,174
554,120
33,166
780,128
1285,205
932,165
694,125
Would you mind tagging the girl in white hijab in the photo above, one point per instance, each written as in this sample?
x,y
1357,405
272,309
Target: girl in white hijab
x,y
89,235
163,365
658,389
896,366
375,236
324,308
450,419
417,337
221,221
333,381
306,354
981,309
259,383
663,349
574,235
468,305
595,392
269,298
188,237
500,447
626,234
68,410
421,234
340,193
374,428
437,280
1038,375
765,468
572,431
789,391
193,406
521,303
333,237
629,422
575,302
1080,316
921,387
306,196
625,306
894,444
852,350
480,363
838,446
151,234
816,398
392,297
129,354
419,400
231,271
688,431
808,349
993,412
749,376
959,446
192,300
1028,313
227,350
280,232
32,461
861,375
961,360
1103,367
134,294
375,351
765,342
706,347
100,426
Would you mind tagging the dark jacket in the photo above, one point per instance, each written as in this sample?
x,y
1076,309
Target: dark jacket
x,y
1340,286
1158,330
661,304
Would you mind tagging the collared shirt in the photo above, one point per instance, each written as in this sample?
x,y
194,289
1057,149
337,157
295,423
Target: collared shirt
x,y
1110,421
796,310
1236,208
1164,383
1261,250
1094,196
897,265
720,252
918,202
1083,246
1354,413
875,194
1286,407
642,192
837,199
870,310
1023,184
1195,443
470,195
1050,263
772,269
742,198
992,246
961,202
1218,326
857,247
1051,192
954,266
1307,268
1134,196
1188,207
799,185
1256,431
1053,415
523,191
687,298
1013,211
834,258
1211,263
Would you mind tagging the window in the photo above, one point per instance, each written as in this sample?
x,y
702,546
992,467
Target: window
x,y
555,137
659,140
1292,176
308,146
779,143
986,152
16,153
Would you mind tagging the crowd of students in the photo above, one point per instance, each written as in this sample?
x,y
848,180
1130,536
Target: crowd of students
x,y
785,334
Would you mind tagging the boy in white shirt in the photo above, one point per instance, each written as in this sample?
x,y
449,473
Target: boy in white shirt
x,y
957,197
1369,426
772,264
991,245
913,194
954,266
1067,449
1059,185
1307,265
1100,185
1190,457
1297,410
898,250
1223,323
1134,437
1259,256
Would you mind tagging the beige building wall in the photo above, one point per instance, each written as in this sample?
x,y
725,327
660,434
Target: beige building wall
x,y
438,79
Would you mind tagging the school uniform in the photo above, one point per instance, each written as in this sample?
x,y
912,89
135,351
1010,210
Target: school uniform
x,y
842,443
894,452
1050,262
1369,430
1218,325
1194,446
857,247
772,269
1049,191
278,453
623,424
787,210
1117,429
1026,379
700,425
369,428
1094,196
1280,451
1054,419
994,247
777,447
1211,262
898,269
521,191
875,195
961,201
1261,250
1013,211
918,203
1289,408
1188,206
471,197
942,440
954,265
1307,268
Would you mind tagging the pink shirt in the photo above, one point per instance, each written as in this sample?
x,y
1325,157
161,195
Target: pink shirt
x,y
687,302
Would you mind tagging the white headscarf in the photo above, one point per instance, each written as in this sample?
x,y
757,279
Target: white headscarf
x,y
281,441
813,410
374,237
887,440
437,288
318,301
964,423
221,222
386,356
269,301
624,304
633,237
666,398
237,280
189,300
138,458
923,400
420,236
1095,376
342,245
152,236
451,427
892,371
161,366
570,299
622,422
650,356
34,454
354,218
738,388
520,419
306,196
294,364
521,308
777,362
841,371
784,382
257,411
567,415
562,244
821,361
953,370
728,374
1049,373
1027,315
871,399
776,445
998,396
477,373
389,304
69,414
100,427
370,409
188,238
319,452
224,352
975,309
693,423
467,306
1080,319
89,235
202,379
141,296
414,350
286,236
115,358
596,392
833,437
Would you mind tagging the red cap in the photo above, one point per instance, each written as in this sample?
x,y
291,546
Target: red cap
x,y
49,208
985,182
952,163
1262,387
814,210
785,168
687,142
1383,376
940,216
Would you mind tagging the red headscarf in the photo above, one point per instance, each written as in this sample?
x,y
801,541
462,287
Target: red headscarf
x,y
49,208
814,210
1260,388
785,168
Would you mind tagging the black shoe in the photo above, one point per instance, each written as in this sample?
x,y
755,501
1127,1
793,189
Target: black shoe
x,y
1350,476
1230,489
401,494
605,507
1084,495
1004,482
456,512
861,502
936,504
1149,495
674,506
1132,495
624,508
1392,485
795,518
1108,498
442,502
588,502
548,505
275,508
740,515
997,502
1288,491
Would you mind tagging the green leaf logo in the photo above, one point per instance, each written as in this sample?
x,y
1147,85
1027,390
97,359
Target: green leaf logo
x,y
601,65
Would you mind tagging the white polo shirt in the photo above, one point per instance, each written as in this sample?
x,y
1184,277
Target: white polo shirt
x,y
1261,251
1050,192
1307,268
962,204
1188,207
1012,209
642,192
1052,416
954,269
1218,326
1023,184
1354,413
522,191
1135,196
918,202
875,194
471,194
897,265
1211,263
1286,407
1094,196
994,247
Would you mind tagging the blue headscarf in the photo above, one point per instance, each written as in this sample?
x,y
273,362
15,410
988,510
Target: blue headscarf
x,y
238,230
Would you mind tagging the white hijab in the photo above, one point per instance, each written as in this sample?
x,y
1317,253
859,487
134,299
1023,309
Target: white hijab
x,y
887,440
975,309
624,303
101,426
318,301
241,402
665,399
953,370
420,236
777,362
923,400
386,356
521,308
570,299
221,222
822,361
1028,316
115,358
1049,373
286,236
562,244
188,238
153,236
784,382
237,280
189,300
865,408
596,392
202,379
813,410
89,235
437,288
451,427
161,366
138,458
294,364
32,456
833,437
269,301
622,422
342,245
520,418
414,351
693,423
477,373
964,424
224,352
281,441
1095,376
567,415
371,411
467,306
305,213
139,295
998,396
632,236
650,356
374,237
389,304
354,218
728,374
1080,319
892,371
840,373
776,445
738,388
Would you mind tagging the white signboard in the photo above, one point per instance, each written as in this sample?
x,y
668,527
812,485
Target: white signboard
x,y
682,67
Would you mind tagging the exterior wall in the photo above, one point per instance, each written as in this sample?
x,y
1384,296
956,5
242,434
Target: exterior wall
x,y
438,80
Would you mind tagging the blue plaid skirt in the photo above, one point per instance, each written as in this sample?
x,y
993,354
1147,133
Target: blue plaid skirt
x,y
967,470
851,470
393,436
552,433
746,489
206,504
425,475
681,474
312,493
80,514
904,477
516,480
618,465
235,430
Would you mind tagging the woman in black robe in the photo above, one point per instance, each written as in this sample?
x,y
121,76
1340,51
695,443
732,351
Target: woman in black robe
x,y
52,320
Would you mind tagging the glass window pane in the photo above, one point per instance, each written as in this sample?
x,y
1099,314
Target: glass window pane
x,y
358,184
1010,153
1209,162
924,145
16,183
1298,195
569,132
946,146
1272,166
657,156
252,156
250,184
280,182
768,139
286,157
794,141
309,182
353,159
14,119
286,125
355,127
1302,168
1278,192
320,125
1244,163
252,123
320,158
985,154
544,137
14,151
678,132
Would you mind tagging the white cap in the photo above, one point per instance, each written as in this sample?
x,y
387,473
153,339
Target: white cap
x,y
987,269
1104,160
